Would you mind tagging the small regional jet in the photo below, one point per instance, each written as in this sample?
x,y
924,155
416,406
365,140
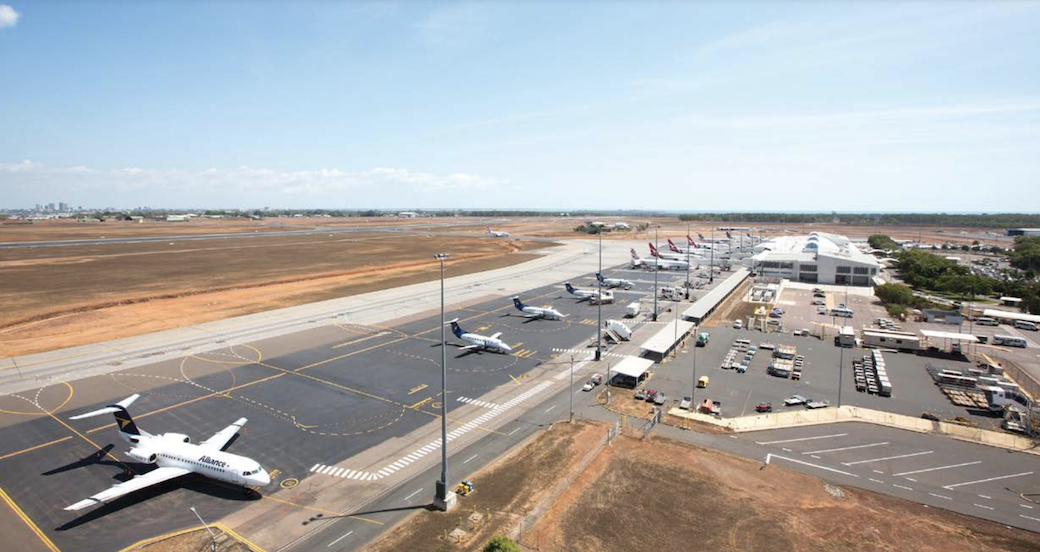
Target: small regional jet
x,y
175,456
613,282
476,341
582,293
495,234
544,313
638,261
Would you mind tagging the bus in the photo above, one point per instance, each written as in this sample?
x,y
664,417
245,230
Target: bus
x,y
986,321
1009,341
841,312
1025,325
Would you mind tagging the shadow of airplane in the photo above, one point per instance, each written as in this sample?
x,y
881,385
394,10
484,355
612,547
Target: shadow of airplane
x,y
97,457
192,482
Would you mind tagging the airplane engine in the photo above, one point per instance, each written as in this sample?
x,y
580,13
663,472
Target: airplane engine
x,y
177,437
142,455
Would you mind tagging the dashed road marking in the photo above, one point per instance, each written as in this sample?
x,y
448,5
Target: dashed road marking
x,y
514,431
876,480
1026,506
940,496
903,487
409,497
550,408
910,479
1029,517
466,461
804,463
986,497
985,507
333,543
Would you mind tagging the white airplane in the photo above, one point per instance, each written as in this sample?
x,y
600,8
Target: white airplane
x,y
638,261
666,256
476,341
496,234
583,293
692,251
545,313
666,263
613,282
175,456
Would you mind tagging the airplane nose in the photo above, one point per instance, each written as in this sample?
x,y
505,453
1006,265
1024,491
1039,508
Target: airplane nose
x,y
263,478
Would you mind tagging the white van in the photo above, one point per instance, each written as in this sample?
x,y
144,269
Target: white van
x,y
841,312
1025,325
1009,341
984,321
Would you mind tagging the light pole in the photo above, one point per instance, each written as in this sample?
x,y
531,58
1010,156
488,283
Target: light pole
x,y
212,545
711,273
841,368
444,498
570,390
657,268
688,261
693,385
675,332
599,304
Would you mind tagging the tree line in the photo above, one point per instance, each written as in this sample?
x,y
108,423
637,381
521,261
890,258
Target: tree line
x,y
984,220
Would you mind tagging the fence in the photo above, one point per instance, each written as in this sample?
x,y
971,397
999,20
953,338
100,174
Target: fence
x,y
1024,379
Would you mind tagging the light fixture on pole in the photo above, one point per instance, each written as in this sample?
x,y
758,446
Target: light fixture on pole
x,y
657,268
212,536
599,301
444,499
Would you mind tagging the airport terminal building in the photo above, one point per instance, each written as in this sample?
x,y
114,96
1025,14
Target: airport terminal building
x,y
816,258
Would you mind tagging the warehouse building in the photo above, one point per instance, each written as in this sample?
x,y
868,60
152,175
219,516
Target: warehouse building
x,y
1030,232
817,258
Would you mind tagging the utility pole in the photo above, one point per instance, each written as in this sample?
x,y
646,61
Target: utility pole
x,y
444,499
657,268
711,273
599,303
213,537
693,385
675,332
571,391
687,261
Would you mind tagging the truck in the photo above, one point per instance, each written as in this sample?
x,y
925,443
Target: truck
x,y
632,310
619,328
604,296
702,339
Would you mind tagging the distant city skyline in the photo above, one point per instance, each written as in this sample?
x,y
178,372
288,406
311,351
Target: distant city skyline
x,y
856,107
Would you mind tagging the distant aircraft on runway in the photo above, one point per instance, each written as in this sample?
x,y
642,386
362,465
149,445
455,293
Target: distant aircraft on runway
x,y
175,456
476,341
613,282
545,313
495,234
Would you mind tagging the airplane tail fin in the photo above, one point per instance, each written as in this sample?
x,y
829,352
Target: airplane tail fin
x,y
635,256
673,247
123,419
653,250
517,303
599,277
689,241
455,328
570,288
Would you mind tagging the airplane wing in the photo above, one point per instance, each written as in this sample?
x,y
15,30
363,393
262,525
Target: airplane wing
x,y
470,347
139,482
221,438
495,336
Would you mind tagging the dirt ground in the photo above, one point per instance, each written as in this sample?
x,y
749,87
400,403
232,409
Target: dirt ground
x,y
506,491
66,296
666,495
195,541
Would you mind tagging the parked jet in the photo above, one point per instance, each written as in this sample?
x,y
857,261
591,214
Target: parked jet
x,y
495,234
583,293
654,252
546,313
477,341
690,250
613,282
638,261
670,262
175,455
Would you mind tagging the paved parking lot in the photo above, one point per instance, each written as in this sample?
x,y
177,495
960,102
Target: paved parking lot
x,y
965,477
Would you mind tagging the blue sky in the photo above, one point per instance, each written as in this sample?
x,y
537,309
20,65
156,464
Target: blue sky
x,y
674,105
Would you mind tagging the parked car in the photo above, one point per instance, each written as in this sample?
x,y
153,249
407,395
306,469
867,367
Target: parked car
x,y
817,404
596,379
795,400
640,394
738,324
821,310
764,407
650,395
660,399
588,386
817,302
742,368
687,403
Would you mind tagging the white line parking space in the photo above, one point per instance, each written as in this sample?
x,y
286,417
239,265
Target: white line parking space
x,y
973,479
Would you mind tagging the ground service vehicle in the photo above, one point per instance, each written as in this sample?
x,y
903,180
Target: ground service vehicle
x,y
984,321
1025,325
1009,341
795,400
703,382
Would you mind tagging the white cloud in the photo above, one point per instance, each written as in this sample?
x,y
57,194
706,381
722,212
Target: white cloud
x,y
8,17
380,186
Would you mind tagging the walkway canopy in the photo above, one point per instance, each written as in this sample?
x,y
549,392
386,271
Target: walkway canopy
x,y
667,337
952,336
704,306
1008,315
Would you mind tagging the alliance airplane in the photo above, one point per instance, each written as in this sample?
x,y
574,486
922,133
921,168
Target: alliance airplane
x,y
613,282
476,341
175,455
496,234
583,293
545,313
